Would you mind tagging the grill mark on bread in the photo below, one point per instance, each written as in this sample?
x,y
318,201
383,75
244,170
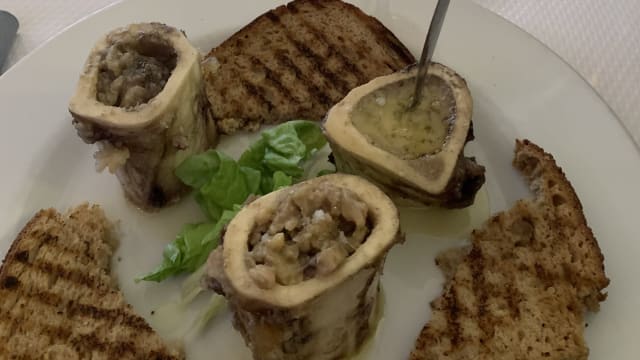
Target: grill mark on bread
x,y
285,62
74,276
397,48
90,342
361,52
346,63
322,69
274,79
52,240
479,286
520,271
315,91
314,58
453,312
28,261
255,91
57,270
389,66
388,40
335,23
81,342
127,319
73,308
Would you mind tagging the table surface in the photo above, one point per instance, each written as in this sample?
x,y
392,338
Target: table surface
x,y
600,39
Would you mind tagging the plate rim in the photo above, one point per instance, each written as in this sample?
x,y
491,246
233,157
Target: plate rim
x,y
118,3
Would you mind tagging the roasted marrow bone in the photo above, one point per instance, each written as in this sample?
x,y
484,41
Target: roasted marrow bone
x,y
413,154
141,98
301,267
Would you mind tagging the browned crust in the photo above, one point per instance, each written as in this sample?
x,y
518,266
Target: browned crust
x,y
379,29
548,171
559,214
11,254
29,298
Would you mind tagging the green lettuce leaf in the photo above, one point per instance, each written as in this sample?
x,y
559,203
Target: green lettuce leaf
x,y
324,172
195,171
281,180
310,134
283,148
190,248
222,185
220,182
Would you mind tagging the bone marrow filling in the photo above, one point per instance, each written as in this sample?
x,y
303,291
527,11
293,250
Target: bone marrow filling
x,y
312,231
382,117
134,68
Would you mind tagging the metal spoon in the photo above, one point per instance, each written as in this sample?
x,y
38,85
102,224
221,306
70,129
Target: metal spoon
x,y
427,49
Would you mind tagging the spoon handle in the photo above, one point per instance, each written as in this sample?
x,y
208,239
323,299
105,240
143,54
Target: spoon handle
x,y
428,48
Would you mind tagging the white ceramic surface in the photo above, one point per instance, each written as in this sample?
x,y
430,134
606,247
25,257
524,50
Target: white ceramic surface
x,y
520,89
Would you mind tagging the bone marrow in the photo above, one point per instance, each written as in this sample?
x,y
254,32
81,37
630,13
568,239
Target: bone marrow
x,y
141,98
412,154
313,231
134,68
412,134
301,267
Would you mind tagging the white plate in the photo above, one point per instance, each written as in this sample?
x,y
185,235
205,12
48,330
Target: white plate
x,y
520,89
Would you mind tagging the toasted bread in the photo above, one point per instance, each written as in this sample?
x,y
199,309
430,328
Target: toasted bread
x,y
58,301
295,62
530,274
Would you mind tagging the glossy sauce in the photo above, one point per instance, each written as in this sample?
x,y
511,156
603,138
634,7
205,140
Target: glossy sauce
x,y
384,119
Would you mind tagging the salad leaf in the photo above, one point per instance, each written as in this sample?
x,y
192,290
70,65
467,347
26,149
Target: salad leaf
x,y
195,171
222,185
310,135
281,180
284,140
220,181
324,172
190,249
283,148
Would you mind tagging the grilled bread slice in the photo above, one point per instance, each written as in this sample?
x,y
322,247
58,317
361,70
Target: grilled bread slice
x,y
521,290
296,61
58,301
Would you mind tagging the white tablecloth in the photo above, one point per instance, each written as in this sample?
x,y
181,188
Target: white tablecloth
x,y
599,38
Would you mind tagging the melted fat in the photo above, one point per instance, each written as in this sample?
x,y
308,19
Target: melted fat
x,y
384,119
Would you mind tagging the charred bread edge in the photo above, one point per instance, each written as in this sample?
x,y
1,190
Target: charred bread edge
x,y
9,257
551,171
381,32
